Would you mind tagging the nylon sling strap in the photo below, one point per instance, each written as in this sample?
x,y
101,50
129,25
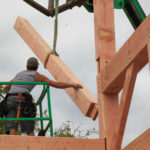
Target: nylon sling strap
x,y
55,34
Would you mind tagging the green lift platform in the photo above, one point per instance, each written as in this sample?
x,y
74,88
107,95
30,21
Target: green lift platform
x,y
46,90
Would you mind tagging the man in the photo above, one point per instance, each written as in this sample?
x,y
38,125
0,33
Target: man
x,y
15,91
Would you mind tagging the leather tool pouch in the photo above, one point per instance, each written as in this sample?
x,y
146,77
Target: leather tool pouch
x,y
3,107
28,108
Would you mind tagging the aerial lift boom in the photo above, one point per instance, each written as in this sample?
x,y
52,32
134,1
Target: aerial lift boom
x,y
132,9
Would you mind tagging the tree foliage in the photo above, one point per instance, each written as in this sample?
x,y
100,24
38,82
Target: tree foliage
x,y
1,93
2,123
68,129
64,130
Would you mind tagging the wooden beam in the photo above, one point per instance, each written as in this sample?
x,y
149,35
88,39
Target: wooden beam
x,y
82,97
140,143
105,50
134,50
104,31
47,143
127,92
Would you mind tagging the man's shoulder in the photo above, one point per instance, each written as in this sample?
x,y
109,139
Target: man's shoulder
x,y
26,73
21,72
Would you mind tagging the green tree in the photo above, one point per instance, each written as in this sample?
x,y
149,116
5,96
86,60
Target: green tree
x,y
68,129
1,93
64,130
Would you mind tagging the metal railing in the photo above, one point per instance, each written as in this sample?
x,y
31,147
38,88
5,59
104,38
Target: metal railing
x,y
46,90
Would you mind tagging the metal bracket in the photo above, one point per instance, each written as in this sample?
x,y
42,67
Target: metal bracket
x,y
132,8
50,11
119,4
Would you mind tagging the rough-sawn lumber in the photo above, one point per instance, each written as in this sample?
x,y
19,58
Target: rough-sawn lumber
x,y
134,50
82,97
140,143
46,143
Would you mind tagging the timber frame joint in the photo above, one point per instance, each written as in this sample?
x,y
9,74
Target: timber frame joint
x,y
115,71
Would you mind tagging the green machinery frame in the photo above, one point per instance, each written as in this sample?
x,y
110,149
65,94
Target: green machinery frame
x,y
45,90
132,9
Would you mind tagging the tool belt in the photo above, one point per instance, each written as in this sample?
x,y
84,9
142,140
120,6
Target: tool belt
x,y
16,94
3,107
26,107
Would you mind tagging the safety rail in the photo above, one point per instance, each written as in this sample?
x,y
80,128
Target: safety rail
x,y
45,90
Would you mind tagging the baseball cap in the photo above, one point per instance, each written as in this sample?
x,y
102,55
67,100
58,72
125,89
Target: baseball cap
x,y
32,62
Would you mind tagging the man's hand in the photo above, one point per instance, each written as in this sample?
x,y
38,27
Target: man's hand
x,y
77,86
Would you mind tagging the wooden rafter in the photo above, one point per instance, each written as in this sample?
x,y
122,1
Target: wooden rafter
x,y
134,50
140,143
82,97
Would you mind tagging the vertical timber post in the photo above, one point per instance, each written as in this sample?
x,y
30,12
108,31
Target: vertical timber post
x,y
105,49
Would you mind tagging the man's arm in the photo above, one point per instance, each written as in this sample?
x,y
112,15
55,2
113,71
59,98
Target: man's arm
x,y
60,85
7,87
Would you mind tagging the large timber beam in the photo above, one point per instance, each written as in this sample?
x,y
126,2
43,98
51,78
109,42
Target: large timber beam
x,y
134,50
140,143
82,97
105,50
46,143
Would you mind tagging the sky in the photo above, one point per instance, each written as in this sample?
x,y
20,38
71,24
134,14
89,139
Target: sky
x,y
76,48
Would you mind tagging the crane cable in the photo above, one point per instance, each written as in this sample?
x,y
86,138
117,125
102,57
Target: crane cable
x,y
55,34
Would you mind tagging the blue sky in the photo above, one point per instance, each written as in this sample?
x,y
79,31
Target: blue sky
x,y
76,48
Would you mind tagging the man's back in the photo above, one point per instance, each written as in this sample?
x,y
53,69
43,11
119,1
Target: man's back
x,y
24,76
